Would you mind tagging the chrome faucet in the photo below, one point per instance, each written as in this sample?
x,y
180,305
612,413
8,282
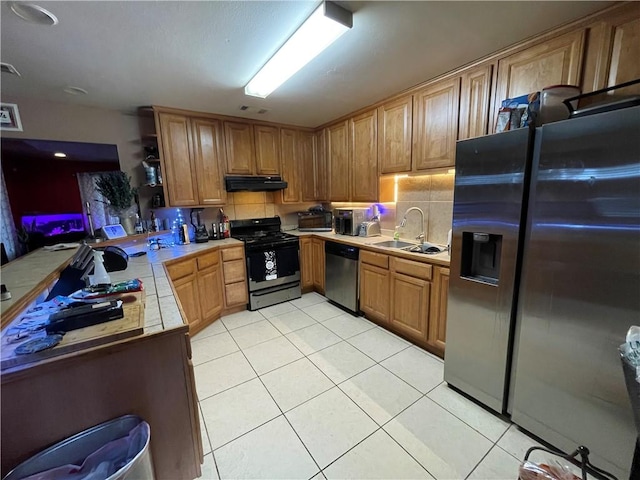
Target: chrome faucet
x,y
404,222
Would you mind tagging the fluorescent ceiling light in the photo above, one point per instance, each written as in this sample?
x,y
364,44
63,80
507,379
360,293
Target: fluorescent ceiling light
x,y
325,25
60,155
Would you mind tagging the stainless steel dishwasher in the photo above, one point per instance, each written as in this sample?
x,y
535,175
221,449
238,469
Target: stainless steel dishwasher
x,y
341,275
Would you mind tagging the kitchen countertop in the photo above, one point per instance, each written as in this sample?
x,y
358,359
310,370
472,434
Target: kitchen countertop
x,y
27,275
442,259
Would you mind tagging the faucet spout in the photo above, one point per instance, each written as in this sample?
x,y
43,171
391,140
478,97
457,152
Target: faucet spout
x,y
420,237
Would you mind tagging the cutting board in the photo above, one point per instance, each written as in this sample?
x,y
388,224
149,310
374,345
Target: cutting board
x,y
130,325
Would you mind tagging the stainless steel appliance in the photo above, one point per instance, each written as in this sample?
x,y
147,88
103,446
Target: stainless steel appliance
x,y
315,221
239,183
370,229
348,220
341,275
273,265
545,279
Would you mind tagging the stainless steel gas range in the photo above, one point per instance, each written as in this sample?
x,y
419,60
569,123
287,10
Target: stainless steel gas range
x,y
272,256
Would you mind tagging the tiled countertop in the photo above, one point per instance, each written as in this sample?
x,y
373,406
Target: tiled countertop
x,y
161,311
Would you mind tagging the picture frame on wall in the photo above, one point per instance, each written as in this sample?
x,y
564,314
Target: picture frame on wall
x,y
10,117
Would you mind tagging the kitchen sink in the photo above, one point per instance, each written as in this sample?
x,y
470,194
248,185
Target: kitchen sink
x,y
394,244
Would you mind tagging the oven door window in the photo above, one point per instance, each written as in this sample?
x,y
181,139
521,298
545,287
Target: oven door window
x,y
270,264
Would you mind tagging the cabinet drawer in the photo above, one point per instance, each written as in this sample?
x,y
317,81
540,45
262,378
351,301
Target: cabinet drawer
x,y
234,271
408,267
208,259
235,294
182,269
235,253
372,258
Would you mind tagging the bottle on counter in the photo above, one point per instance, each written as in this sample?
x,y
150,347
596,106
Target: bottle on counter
x,y
224,225
153,226
139,228
214,231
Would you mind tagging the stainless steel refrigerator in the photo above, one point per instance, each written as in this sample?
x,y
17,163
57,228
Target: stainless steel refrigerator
x,y
545,279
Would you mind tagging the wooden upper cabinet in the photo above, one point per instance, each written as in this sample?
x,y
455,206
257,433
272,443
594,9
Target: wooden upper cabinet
x,y
208,155
613,49
179,172
307,163
290,167
364,157
338,161
239,148
394,135
267,141
435,124
475,88
321,168
557,61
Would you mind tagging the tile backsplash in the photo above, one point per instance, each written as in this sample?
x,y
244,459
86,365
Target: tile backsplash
x,y
433,194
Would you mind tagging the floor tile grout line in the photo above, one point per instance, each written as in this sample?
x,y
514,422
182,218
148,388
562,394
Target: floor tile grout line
x,y
226,389
348,450
206,429
408,453
461,419
398,376
281,412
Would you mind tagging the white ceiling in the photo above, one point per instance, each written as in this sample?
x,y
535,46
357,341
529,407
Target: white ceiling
x,y
199,55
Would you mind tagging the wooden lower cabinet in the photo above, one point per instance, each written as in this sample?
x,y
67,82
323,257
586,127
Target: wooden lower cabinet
x,y
306,264
317,257
438,315
374,293
211,294
410,306
236,295
198,284
189,296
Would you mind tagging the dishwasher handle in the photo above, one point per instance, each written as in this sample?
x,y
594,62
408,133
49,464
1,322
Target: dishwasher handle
x,y
341,250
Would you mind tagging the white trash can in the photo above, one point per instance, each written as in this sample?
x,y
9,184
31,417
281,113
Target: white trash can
x,y
114,450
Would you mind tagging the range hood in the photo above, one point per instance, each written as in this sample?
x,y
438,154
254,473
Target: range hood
x,y
254,184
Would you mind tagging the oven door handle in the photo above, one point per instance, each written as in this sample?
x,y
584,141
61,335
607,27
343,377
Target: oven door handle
x,y
277,288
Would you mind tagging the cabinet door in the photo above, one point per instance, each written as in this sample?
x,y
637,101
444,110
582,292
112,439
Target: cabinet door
x,y
555,62
179,172
613,49
187,290
239,147
438,314
210,290
364,157
410,306
267,140
338,162
474,102
209,161
435,125
306,263
318,264
321,167
307,160
394,135
374,293
290,161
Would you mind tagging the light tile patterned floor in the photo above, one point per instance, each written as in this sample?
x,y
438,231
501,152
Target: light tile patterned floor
x,y
302,390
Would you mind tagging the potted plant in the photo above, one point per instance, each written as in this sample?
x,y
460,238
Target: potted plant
x,y
115,188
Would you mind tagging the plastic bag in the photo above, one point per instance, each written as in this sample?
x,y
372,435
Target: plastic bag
x,y
545,471
104,462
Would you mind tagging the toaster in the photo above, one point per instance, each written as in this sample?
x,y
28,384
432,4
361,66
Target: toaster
x,y
369,229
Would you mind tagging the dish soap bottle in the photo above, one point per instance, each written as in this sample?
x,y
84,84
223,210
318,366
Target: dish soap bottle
x,y
396,234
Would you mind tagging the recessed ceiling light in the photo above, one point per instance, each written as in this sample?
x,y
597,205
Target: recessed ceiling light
x,y
60,155
75,90
33,13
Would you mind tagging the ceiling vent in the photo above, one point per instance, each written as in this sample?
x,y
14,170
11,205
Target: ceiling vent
x,y
8,68
250,109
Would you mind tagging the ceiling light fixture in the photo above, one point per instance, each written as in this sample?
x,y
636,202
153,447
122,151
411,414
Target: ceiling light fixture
x,y
325,25
60,155
74,90
33,13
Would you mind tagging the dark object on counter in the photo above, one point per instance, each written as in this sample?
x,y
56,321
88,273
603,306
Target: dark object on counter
x,y
84,316
114,258
138,254
201,235
316,220
254,184
4,293
214,231
72,277
157,201
38,344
